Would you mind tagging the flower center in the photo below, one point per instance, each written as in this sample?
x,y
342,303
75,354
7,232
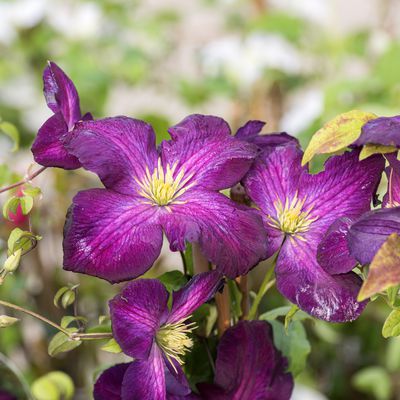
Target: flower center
x,y
174,340
290,218
162,187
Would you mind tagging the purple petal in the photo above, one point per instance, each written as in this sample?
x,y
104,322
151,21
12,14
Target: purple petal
x,y
392,196
333,251
175,380
230,236
248,366
61,94
383,130
250,129
344,189
110,235
203,147
196,292
369,232
136,314
118,150
302,280
108,385
145,379
48,149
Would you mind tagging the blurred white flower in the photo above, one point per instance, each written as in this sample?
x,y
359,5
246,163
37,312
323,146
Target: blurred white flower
x,y
17,14
245,60
302,109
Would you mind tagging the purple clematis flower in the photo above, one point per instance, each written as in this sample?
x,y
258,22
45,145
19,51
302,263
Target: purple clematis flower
x,y
156,336
248,366
116,233
62,98
297,209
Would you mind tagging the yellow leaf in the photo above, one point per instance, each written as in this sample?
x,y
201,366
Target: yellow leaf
x,y
370,149
337,134
384,271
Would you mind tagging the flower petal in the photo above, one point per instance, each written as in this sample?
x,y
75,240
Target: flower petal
x,y
392,196
145,379
110,235
136,314
344,189
370,231
61,94
108,385
248,366
175,379
48,149
196,292
302,280
383,130
333,251
230,236
203,147
118,150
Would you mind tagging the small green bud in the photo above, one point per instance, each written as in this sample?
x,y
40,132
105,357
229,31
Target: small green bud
x,y
5,321
12,262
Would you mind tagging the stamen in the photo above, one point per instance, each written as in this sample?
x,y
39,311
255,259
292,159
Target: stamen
x,y
290,217
161,187
174,341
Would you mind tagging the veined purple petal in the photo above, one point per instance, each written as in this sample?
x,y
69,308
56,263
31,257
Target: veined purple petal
x,y
48,149
118,150
344,189
111,235
145,379
248,366
61,95
196,292
250,132
370,231
333,251
383,130
136,314
175,380
230,236
301,279
108,385
392,196
202,146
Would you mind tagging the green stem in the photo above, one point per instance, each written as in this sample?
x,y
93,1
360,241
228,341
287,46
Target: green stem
x,y
25,180
266,284
184,264
33,314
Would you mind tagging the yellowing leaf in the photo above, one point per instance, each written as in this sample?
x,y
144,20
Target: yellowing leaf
x,y
370,149
391,327
384,271
337,134
112,346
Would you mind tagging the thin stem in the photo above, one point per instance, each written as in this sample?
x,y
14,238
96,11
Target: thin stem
x,y
90,336
33,314
23,181
266,284
210,359
222,301
184,264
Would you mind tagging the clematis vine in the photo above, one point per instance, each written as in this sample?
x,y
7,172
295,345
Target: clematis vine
x,y
116,233
297,209
156,336
62,98
248,366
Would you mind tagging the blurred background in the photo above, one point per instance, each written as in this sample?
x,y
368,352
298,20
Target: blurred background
x,y
291,63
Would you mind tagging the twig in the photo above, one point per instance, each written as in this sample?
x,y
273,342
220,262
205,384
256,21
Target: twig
x,y
23,181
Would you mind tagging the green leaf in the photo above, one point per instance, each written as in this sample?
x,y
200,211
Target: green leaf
x,y
54,386
26,204
10,206
23,240
393,354
61,343
69,319
30,190
282,312
173,280
12,132
6,321
371,149
384,269
290,315
391,327
236,298
58,295
12,261
68,298
374,381
112,347
294,344
337,134
205,317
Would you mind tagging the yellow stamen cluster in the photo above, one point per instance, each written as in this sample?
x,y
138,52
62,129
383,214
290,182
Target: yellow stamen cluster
x,y
162,187
174,341
290,217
